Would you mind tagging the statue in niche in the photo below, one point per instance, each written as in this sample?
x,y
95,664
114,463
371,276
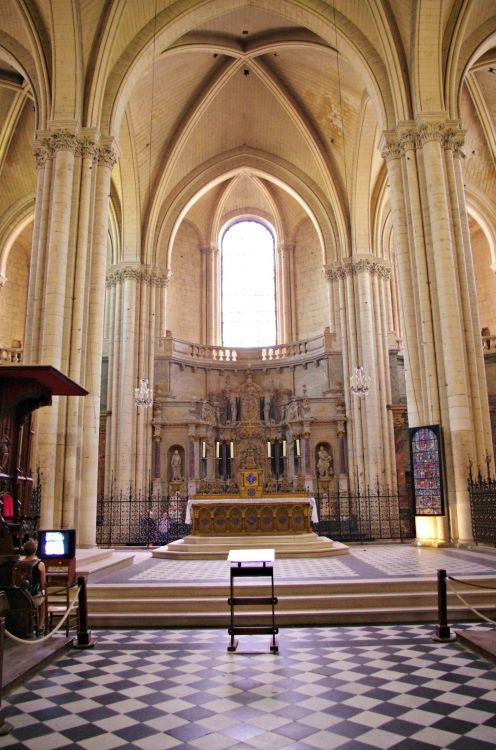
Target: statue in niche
x,y
208,413
4,451
176,465
324,463
267,409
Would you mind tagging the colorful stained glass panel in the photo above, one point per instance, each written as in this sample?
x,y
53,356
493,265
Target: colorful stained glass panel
x,y
426,455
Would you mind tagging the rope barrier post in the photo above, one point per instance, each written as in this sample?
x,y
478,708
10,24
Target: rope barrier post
x,y
84,639
443,633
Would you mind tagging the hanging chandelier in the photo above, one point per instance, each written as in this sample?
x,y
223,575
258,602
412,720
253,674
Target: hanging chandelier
x,y
359,382
143,396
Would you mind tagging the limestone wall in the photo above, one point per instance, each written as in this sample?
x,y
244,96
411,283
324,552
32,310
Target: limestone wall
x,y
184,295
312,306
13,294
486,280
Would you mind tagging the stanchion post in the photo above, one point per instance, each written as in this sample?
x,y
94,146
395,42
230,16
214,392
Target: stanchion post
x,y
84,639
5,727
443,633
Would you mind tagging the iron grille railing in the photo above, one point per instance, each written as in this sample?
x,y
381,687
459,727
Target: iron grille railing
x,y
374,514
482,493
133,518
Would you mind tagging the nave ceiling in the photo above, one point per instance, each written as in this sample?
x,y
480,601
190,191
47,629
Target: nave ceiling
x,y
230,109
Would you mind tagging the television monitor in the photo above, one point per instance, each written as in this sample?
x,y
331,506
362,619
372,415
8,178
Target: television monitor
x,y
57,544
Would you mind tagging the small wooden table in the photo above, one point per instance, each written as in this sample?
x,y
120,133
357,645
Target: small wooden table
x,y
252,563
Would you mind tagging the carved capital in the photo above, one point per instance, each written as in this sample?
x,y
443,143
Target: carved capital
x,y
372,266
88,148
3,280
429,132
408,140
140,274
108,155
63,140
390,146
41,153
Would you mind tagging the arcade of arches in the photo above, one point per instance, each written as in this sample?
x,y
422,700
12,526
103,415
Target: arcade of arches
x,y
361,132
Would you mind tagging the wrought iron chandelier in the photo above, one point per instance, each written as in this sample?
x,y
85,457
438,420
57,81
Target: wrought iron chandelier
x,y
143,396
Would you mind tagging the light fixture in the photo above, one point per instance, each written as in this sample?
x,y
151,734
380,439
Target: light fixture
x,y
143,395
359,382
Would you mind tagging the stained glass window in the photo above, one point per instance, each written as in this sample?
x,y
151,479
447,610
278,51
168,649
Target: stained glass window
x,y
426,455
248,286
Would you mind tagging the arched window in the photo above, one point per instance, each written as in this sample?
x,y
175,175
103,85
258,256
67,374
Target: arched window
x,y
248,286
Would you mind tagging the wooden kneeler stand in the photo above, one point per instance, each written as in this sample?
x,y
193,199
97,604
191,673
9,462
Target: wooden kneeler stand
x,y
252,563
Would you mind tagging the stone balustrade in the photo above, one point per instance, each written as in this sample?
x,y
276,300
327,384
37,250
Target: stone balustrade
x,y
10,356
186,351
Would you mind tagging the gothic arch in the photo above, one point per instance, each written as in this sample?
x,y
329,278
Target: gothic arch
x,y
194,186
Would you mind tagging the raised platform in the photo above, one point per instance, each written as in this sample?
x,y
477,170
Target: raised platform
x,y
196,547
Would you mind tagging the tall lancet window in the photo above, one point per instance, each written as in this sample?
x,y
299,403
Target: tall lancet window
x,y
248,286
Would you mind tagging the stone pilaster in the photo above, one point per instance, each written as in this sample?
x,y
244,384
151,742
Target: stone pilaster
x,y
286,312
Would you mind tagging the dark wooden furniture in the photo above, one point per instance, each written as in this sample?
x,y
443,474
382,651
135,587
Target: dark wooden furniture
x,y
252,563
23,389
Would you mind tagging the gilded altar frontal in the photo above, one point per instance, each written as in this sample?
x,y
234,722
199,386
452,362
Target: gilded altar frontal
x,y
260,239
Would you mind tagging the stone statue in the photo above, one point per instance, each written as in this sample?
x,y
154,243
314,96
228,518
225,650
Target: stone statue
x,y
176,465
4,451
324,463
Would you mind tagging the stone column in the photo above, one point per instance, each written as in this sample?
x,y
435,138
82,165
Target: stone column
x,y
87,153
107,157
132,290
34,311
444,366
364,319
211,332
52,308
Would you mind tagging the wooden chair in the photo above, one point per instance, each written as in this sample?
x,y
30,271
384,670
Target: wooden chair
x,y
60,594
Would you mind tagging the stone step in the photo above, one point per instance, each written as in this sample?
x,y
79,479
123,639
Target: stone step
x,y
320,603
96,563
376,587
285,603
306,618
290,545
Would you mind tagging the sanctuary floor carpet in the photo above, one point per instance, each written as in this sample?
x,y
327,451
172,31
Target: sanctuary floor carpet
x,y
372,562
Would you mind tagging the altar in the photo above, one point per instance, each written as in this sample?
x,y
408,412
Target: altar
x,y
235,516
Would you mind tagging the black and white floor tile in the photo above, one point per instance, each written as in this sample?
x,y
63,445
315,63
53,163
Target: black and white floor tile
x,y
348,688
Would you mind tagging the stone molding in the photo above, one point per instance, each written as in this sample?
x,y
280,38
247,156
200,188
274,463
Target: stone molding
x,y
374,267
118,275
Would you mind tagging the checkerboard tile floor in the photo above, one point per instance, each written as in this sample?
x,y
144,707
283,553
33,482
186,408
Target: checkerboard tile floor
x,y
347,688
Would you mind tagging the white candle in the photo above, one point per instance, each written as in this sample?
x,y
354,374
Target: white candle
x,y
268,449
